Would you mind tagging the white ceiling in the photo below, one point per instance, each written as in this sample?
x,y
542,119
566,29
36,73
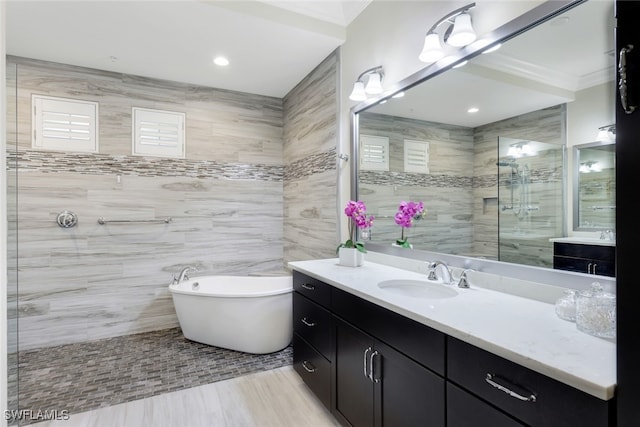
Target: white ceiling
x,y
540,68
271,45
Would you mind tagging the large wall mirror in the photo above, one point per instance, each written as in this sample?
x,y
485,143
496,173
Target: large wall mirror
x,y
487,146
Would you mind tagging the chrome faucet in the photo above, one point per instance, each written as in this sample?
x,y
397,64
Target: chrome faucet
x,y
447,277
464,280
183,274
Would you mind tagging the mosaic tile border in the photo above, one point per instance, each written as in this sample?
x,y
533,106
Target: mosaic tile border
x,y
543,175
311,165
103,164
90,375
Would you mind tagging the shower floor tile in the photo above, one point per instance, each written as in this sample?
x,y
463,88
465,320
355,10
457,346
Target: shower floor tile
x,y
97,374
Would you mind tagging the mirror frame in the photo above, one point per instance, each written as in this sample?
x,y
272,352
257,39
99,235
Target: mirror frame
x,y
575,199
544,12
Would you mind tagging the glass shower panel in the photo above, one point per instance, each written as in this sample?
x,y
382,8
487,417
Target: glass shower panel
x,y
12,240
530,200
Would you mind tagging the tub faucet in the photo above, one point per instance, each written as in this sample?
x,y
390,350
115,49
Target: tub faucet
x,y
183,274
447,277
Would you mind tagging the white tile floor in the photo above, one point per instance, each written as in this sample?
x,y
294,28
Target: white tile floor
x,y
275,398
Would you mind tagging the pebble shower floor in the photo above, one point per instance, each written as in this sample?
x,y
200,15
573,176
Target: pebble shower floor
x,y
97,374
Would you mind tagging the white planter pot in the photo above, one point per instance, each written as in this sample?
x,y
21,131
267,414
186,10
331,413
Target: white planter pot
x,y
350,257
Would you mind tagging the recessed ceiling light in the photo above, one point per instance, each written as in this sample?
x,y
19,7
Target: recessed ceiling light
x,y
221,61
473,110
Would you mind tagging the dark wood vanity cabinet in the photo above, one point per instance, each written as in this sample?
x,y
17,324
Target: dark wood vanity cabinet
x,y
590,259
372,367
524,395
377,384
313,335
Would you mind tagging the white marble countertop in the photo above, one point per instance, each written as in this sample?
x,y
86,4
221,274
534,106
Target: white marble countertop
x,y
521,330
584,241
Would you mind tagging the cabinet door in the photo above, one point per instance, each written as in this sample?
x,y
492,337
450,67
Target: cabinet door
x,y
353,388
407,393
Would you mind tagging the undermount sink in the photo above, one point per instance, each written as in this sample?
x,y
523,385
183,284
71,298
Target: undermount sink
x,y
417,289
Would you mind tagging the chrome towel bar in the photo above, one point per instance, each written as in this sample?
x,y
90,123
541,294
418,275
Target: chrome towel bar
x,y
103,221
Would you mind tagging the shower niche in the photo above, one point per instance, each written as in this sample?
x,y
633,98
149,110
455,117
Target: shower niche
x,y
530,200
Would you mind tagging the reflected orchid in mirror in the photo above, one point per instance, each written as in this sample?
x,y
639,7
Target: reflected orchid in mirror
x,y
407,213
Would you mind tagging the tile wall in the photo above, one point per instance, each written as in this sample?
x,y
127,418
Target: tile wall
x,y
460,191
310,181
226,201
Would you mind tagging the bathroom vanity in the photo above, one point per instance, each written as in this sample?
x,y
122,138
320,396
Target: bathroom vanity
x,y
583,255
378,356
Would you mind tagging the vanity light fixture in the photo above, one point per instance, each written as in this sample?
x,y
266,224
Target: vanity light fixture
x,y
369,83
460,33
607,133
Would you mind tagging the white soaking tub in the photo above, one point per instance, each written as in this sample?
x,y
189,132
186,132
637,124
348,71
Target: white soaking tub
x,y
252,314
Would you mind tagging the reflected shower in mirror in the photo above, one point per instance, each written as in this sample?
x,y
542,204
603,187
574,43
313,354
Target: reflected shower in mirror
x,y
483,146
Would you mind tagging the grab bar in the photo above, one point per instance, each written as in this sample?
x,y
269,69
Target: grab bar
x,y
103,221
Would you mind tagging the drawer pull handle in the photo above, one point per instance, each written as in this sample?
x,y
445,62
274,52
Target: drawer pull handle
x,y
308,287
490,380
307,323
364,362
306,367
372,375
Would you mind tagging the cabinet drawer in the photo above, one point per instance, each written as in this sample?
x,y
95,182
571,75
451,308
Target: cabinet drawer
x,y
312,288
313,323
419,342
605,253
314,369
466,410
556,404
583,265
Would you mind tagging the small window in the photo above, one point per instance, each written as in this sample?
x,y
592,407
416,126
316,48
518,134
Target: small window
x,y
374,153
416,156
158,133
64,124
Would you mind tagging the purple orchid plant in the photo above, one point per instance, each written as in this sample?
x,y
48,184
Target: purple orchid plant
x,y
356,212
407,213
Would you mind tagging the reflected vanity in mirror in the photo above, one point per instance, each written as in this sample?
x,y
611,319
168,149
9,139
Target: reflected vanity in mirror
x,y
485,146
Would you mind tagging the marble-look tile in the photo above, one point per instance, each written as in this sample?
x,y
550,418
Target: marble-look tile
x,y
461,189
225,200
310,141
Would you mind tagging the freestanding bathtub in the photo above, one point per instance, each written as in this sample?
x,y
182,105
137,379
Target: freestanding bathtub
x,y
242,313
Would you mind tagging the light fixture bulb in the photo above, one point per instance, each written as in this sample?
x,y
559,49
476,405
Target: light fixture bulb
x,y
526,150
432,50
221,61
462,33
358,93
374,86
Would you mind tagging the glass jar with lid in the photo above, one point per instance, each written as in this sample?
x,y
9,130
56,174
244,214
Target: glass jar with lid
x,y
596,312
566,306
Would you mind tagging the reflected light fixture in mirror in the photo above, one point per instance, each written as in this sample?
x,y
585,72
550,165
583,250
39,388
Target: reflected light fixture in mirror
x,y
607,133
460,33
373,85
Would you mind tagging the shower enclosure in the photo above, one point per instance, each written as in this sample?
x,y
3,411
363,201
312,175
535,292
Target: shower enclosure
x,y
530,200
